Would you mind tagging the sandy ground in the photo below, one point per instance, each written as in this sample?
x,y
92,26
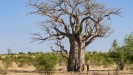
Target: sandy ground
x,y
61,70
91,73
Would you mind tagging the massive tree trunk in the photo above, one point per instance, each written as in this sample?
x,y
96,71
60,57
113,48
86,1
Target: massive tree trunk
x,y
76,60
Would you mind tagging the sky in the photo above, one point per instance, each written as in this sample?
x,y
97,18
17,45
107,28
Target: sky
x,y
16,26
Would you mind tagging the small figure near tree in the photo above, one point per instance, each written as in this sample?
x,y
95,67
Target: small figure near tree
x,y
87,65
88,68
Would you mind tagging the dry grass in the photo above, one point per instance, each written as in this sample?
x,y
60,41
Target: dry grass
x,y
91,73
61,70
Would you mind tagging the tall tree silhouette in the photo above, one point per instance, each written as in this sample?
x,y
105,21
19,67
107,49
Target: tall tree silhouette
x,y
81,21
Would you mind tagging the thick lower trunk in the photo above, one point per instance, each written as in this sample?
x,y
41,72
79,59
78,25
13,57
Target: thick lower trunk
x,y
76,61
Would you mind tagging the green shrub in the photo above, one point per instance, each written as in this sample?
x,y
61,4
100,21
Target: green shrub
x,y
7,61
45,62
108,61
61,59
99,58
24,60
0,57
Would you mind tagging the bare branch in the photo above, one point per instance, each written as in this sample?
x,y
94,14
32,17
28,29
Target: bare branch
x,y
78,20
63,51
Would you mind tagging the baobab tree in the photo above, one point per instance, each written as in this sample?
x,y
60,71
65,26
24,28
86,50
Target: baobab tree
x,y
81,21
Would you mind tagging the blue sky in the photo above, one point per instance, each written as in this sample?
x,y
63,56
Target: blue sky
x,y
16,26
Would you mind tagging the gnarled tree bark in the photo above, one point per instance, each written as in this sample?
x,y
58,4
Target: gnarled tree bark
x,y
76,58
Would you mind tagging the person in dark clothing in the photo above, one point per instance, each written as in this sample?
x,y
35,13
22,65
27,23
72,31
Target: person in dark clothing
x,y
87,65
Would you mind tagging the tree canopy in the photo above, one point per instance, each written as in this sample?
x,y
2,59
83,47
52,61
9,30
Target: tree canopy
x,y
80,21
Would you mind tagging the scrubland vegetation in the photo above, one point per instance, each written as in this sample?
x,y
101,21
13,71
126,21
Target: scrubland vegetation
x,y
121,56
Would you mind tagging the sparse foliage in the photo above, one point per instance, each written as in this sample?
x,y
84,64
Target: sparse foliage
x,y
23,60
7,61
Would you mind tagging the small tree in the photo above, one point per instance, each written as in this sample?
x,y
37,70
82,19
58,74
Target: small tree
x,y
128,44
118,53
123,54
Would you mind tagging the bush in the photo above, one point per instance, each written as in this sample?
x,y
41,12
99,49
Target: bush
x,y
61,60
94,58
45,62
0,57
24,60
99,58
108,61
7,61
